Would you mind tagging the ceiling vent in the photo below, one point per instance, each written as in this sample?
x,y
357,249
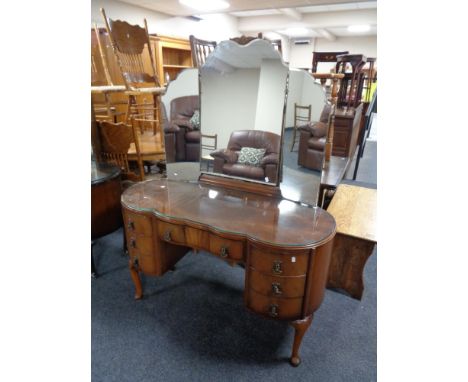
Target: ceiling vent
x,y
301,42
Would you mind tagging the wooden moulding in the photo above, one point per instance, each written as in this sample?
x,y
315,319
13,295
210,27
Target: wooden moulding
x,y
241,185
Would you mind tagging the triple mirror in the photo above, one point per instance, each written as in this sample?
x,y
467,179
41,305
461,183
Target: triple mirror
x,y
237,117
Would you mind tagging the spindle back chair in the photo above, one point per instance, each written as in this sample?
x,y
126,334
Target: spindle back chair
x,y
201,49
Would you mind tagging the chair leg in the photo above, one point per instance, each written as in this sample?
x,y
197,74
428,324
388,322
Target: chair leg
x,y
157,114
294,139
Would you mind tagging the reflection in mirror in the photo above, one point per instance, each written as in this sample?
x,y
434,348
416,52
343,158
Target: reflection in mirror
x,y
304,141
243,92
180,115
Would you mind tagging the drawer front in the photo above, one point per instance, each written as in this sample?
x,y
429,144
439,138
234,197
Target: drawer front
x,y
141,248
136,223
274,307
142,244
279,264
172,233
225,248
197,238
276,286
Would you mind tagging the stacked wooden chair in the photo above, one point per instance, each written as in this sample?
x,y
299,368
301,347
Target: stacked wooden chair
x,y
102,86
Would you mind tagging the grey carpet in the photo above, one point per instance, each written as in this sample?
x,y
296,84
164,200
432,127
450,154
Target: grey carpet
x,y
192,326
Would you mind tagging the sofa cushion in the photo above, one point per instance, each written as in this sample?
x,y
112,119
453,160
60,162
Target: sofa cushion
x,y
244,171
251,156
195,120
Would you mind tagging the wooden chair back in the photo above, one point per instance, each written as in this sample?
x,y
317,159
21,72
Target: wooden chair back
x,y
302,114
99,72
115,140
201,49
132,47
213,142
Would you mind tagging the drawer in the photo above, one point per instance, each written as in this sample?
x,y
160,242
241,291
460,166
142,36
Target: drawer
x,y
225,248
142,244
172,233
275,307
276,286
197,238
146,263
279,264
136,223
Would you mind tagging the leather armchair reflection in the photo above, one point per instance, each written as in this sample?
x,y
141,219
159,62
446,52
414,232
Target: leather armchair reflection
x,y
225,160
312,139
187,137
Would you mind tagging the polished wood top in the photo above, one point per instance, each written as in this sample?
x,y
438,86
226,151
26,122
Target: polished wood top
x,y
260,218
355,211
333,171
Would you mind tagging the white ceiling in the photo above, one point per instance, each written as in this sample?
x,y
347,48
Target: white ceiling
x,y
318,18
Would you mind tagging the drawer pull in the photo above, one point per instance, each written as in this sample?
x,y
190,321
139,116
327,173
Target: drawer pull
x,y
135,263
273,310
133,243
275,288
277,267
167,235
131,225
224,251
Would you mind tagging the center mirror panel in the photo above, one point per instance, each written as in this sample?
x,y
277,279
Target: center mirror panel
x,y
242,104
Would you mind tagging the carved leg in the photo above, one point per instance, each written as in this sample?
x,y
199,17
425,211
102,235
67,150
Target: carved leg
x,y
300,327
136,279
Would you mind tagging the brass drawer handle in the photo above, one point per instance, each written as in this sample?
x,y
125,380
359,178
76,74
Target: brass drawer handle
x,y
275,288
133,243
167,235
224,251
277,267
131,225
273,310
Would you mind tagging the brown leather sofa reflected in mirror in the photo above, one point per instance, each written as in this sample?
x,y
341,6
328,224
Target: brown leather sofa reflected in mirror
x,y
226,160
312,141
182,137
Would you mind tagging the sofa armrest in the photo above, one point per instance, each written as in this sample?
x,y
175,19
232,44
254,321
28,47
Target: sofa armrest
x,y
272,158
316,129
182,123
225,154
171,128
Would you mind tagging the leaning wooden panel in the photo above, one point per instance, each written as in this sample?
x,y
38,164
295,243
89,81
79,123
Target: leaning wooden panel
x,y
354,209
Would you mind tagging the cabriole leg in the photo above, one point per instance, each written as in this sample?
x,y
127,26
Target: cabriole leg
x,y
135,278
300,327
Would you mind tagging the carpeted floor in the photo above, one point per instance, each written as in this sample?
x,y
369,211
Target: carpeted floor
x,y
192,324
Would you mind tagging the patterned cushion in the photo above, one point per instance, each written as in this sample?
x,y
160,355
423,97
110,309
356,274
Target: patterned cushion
x,y
251,156
195,120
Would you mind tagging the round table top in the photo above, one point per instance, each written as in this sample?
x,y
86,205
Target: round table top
x,y
102,172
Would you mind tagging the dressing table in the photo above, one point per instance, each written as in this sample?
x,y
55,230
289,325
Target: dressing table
x,y
285,247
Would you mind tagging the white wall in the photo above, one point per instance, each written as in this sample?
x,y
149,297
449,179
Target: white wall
x,y
270,99
300,56
228,102
304,91
216,27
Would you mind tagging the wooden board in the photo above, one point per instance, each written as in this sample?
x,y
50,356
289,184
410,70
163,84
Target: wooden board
x,y
354,209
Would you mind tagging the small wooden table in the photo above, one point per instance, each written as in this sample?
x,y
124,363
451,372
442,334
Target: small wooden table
x,y
354,210
332,174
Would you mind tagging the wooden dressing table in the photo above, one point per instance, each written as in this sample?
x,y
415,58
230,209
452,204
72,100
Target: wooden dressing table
x,y
285,247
